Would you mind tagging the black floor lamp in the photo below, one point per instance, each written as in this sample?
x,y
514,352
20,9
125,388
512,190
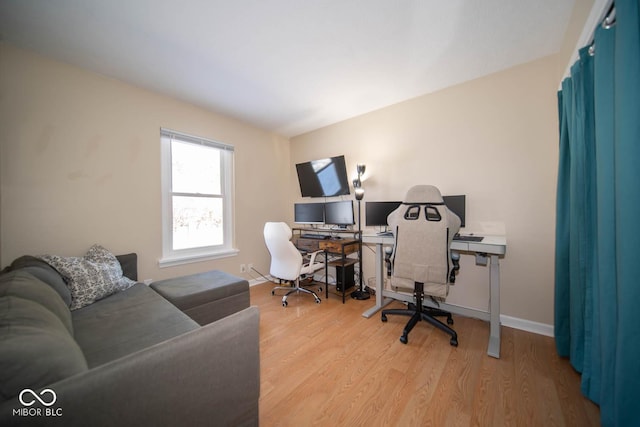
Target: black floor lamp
x,y
360,294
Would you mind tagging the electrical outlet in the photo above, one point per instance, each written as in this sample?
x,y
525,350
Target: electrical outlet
x,y
250,267
243,268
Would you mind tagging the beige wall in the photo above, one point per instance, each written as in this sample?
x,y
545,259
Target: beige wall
x,y
493,139
80,164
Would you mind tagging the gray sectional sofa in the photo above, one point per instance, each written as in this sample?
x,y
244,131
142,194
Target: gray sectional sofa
x,y
133,358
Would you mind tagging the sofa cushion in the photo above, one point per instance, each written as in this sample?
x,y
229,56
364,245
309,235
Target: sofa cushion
x,y
129,264
206,297
126,322
44,272
92,277
201,288
36,349
23,285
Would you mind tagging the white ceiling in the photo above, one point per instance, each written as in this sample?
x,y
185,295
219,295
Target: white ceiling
x,y
290,66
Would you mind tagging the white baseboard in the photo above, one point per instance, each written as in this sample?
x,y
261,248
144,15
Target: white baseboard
x,y
527,325
254,282
511,322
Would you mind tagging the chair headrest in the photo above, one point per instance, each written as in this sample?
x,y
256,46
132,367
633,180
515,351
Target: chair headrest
x,y
275,230
423,194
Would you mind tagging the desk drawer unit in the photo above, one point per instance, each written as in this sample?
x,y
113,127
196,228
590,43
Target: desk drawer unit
x,y
309,245
335,246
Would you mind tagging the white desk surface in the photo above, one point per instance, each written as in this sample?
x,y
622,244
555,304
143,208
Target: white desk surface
x,y
490,244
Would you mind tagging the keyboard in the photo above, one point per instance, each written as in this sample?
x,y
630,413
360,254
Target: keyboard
x,y
315,236
468,238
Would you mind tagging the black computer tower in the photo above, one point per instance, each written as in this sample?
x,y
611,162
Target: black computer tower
x,y
348,276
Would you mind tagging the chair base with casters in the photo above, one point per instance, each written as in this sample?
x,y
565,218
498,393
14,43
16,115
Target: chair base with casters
x,y
419,313
295,288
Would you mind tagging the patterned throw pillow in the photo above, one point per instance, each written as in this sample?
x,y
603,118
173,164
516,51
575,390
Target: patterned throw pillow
x,y
96,275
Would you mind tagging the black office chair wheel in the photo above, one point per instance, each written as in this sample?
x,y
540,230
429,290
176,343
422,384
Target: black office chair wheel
x,y
383,317
320,289
404,339
453,342
318,300
449,320
284,303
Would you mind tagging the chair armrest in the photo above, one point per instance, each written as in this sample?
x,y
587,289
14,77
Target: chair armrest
x,y
455,260
209,376
313,257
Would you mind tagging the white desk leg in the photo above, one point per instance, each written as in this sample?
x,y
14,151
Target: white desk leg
x,y
379,282
494,307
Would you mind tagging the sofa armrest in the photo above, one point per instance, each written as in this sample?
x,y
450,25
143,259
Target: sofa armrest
x,y
129,265
209,376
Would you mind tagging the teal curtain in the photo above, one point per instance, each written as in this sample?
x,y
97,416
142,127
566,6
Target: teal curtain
x,y
597,279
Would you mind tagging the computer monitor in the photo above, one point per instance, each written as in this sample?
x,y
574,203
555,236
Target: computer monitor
x,y
457,204
376,213
339,213
308,213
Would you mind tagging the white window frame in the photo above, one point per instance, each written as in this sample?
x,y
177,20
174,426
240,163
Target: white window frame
x,y
171,256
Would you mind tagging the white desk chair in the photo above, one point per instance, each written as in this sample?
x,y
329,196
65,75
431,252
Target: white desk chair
x,y
287,262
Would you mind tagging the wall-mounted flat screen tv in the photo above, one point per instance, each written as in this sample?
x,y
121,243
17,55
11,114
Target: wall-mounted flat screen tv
x,y
323,178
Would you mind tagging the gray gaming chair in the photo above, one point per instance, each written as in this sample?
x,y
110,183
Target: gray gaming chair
x,y
421,261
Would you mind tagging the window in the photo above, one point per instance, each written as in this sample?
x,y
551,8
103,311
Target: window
x,y
197,198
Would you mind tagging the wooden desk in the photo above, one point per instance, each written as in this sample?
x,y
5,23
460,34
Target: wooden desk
x,y
336,247
340,248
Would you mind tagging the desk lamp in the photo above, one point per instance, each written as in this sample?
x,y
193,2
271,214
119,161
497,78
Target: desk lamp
x,y
360,294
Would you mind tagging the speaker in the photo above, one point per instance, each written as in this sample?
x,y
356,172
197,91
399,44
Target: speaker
x,y
348,276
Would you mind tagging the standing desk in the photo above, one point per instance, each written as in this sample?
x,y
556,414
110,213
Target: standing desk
x,y
494,246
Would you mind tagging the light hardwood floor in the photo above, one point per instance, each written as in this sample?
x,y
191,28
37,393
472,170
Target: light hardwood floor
x,y
326,365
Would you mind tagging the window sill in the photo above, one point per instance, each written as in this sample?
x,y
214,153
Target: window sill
x,y
188,259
